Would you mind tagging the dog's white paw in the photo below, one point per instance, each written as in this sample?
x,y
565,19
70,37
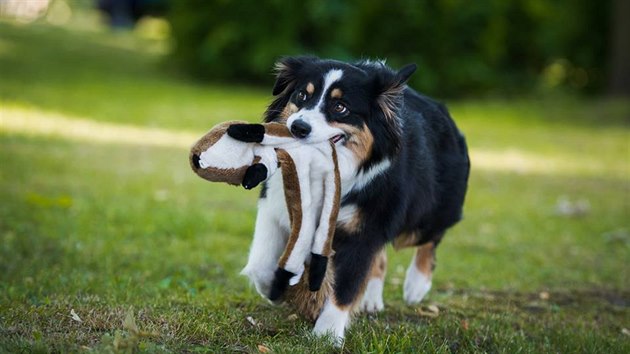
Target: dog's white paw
x,y
373,296
261,279
417,285
332,323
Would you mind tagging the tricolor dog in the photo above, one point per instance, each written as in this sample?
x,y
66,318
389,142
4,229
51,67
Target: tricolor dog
x,y
403,168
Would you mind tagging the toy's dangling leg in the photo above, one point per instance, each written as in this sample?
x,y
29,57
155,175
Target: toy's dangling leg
x,y
298,198
322,244
269,134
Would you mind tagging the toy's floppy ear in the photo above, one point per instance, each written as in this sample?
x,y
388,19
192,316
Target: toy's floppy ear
x,y
287,70
248,133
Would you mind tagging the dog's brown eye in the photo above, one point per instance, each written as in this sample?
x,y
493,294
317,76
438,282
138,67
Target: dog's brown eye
x,y
301,96
340,108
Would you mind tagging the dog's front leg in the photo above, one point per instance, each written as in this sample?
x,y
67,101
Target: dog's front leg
x,y
352,260
269,239
332,321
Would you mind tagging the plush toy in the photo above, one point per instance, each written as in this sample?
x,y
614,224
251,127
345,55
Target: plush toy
x,y
236,152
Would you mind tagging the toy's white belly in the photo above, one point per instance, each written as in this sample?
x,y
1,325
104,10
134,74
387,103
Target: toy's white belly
x,y
227,153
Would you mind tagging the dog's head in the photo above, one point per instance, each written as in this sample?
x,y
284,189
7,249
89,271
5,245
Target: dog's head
x,y
353,105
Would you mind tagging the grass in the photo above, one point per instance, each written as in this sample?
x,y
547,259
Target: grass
x,y
100,215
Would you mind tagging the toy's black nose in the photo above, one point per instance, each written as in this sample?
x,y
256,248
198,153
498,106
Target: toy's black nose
x,y
195,160
300,129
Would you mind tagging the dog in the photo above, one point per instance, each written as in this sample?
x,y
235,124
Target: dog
x,y
404,170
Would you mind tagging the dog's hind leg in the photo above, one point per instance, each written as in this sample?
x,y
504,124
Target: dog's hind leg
x,y
372,300
420,273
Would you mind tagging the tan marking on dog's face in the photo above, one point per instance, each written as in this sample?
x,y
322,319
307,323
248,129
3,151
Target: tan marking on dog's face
x,y
288,110
310,88
360,140
425,257
336,93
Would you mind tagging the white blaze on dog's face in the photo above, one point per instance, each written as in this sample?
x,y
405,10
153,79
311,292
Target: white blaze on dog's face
x,y
310,122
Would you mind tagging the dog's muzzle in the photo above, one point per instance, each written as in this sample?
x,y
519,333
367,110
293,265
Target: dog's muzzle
x,y
300,129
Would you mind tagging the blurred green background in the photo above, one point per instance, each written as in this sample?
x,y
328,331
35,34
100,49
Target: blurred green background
x,y
109,243
463,48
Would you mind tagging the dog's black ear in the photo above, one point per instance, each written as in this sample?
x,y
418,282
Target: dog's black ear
x,y
403,75
287,70
391,90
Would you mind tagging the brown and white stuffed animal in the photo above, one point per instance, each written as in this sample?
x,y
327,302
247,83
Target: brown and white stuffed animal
x,y
236,152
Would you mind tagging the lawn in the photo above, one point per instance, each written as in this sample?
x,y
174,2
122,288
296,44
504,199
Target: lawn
x,y
109,243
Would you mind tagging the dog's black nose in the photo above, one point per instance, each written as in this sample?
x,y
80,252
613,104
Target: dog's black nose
x,y
300,129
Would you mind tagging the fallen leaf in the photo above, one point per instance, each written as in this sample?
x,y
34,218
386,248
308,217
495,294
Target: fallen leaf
x,y
263,349
434,309
75,316
464,324
130,323
543,295
427,313
252,321
625,331
292,317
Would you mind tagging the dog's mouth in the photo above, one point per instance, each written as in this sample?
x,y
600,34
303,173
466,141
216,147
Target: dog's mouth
x,y
337,138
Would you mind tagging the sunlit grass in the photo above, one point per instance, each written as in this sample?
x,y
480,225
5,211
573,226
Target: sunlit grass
x,y
100,213
39,123
559,161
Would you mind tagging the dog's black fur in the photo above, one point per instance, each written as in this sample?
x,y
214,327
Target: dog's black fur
x,y
423,188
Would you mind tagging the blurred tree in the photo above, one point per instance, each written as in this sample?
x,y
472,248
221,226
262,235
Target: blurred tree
x,y
462,47
125,13
620,49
